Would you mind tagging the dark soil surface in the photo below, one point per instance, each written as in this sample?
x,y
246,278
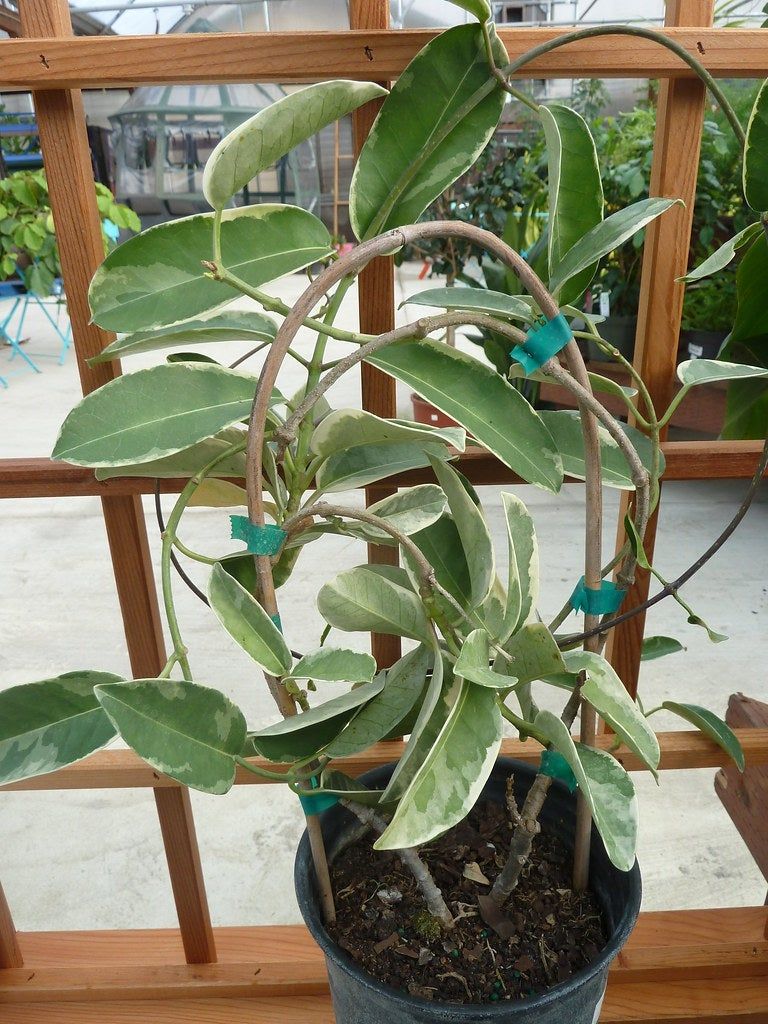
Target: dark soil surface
x,y
545,933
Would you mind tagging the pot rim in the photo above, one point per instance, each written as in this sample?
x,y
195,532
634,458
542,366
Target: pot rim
x,y
456,1012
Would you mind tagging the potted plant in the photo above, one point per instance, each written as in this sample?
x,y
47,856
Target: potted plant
x,y
493,921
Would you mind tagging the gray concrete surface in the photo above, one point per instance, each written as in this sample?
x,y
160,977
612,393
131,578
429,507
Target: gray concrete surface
x,y
94,859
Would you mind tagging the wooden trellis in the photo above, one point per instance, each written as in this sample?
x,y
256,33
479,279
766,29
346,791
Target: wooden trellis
x,y
703,966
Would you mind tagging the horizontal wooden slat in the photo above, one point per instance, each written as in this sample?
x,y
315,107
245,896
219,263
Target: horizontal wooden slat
x,y
667,951
122,769
686,460
109,61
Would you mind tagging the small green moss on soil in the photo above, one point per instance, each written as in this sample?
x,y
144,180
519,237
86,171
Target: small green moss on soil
x,y
550,931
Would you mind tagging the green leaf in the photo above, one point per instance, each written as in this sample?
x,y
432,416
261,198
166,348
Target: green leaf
x,y
752,310
335,665
222,327
608,696
52,723
363,600
606,787
441,546
451,777
403,685
712,726
600,384
704,371
606,237
565,427
212,493
575,188
480,8
259,142
756,154
473,394
725,254
188,461
336,783
247,623
523,579
348,428
300,736
416,667
188,732
439,116
476,300
472,664
144,416
532,653
157,278
659,647
473,533
409,510
368,463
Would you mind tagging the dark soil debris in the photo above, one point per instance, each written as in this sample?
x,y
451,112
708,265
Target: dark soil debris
x,y
545,933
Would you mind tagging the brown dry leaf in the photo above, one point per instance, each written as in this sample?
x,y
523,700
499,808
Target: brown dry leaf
x,y
473,872
493,917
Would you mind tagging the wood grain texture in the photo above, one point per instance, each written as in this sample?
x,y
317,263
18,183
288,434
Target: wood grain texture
x,y
122,769
10,951
368,54
376,302
674,174
64,143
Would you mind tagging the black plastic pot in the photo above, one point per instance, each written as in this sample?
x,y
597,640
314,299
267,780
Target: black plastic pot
x,y
360,999
704,344
620,330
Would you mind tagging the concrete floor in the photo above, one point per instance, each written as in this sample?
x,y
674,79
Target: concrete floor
x,y
94,859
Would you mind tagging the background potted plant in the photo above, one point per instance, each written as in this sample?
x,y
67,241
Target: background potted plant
x,y
479,646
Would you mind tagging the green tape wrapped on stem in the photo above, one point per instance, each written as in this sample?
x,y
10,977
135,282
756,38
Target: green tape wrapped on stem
x,y
316,803
555,766
260,540
543,341
605,601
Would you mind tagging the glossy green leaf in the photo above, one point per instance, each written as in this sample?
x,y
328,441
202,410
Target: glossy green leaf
x,y
473,533
188,732
368,463
362,600
472,663
480,8
532,653
214,493
476,300
565,427
608,696
452,775
756,154
300,736
441,546
336,783
523,578
348,428
725,254
607,236
188,461
659,647
417,666
752,309
259,142
247,623
403,685
157,278
712,726
473,394
52,723
606,787
232,326
437,119
575,189
600,384
144,416
335,665
408,510
705,371
493,608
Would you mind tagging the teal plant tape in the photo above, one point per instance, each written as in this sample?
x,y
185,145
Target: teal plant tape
x,y
543,341
277,621
316,803
605,601
555,766
261,540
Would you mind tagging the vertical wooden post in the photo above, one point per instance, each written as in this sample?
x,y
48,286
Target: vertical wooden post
x,y
676,152
376,287
10,954
67,161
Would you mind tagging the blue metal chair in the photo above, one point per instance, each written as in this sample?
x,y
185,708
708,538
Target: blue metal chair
x,y
21,299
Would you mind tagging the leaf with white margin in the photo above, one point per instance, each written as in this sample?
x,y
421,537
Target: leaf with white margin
x,y
349,428
475,300
51,723
188,461
452,775
532,653
408,510
247,623
189,732
335,665
363,600
472,663
609,697
606,787
368,463
523,579
259,142
724,255
705,371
